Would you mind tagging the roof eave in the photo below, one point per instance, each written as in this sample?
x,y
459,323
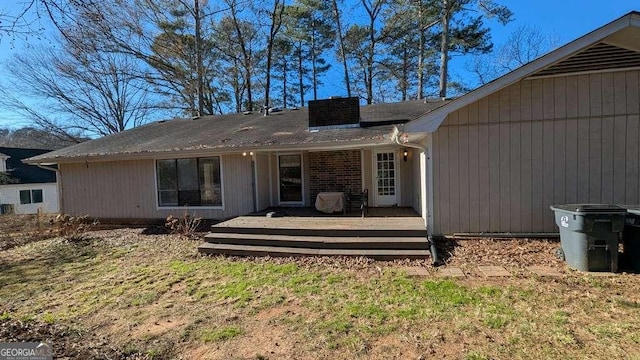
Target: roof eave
x,y
432,120
356,144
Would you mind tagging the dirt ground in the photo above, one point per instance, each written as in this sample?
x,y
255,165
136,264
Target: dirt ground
x,y
135,294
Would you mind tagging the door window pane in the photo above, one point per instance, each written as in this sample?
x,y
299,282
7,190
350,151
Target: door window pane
x,y
290,178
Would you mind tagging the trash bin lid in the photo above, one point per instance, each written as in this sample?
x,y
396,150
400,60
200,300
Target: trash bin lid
x,y
590,208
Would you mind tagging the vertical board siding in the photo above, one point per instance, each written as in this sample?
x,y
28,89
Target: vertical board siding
x,y
262,174
406,178
499,163
632,158
416,189
126,189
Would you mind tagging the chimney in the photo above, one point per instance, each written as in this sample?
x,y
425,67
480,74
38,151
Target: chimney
x,y
334,113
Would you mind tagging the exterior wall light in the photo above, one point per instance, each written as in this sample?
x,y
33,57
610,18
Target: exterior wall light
x,y
405,153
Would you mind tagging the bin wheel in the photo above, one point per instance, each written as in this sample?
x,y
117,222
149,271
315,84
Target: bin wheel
x,y
560,253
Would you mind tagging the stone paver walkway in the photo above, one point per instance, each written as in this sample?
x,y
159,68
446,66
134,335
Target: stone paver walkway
x,y
494,271
450,272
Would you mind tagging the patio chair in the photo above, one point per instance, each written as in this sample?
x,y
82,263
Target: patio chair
x,y
364,207
360,200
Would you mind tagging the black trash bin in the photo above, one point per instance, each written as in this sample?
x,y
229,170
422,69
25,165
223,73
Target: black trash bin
x,y
631,238
589,235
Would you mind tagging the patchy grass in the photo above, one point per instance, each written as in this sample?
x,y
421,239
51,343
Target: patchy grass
x,y
154,294
222,334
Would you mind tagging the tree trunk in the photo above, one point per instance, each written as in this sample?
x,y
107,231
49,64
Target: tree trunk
x,y
300,77
336,14
276,22
200,75
421,42
444,48
314,75
405,71
285,70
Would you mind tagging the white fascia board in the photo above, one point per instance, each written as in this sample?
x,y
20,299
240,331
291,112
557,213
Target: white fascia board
x,y
222,151
430,121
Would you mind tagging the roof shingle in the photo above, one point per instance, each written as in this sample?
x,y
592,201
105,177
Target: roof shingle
x,y
237,131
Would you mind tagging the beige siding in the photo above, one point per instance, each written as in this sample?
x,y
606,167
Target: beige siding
x,y
127,189
367,161
274,180
415,191
263,186
307,180
500,162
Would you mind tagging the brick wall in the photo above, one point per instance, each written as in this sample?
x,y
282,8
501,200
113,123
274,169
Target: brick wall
x,y
334,171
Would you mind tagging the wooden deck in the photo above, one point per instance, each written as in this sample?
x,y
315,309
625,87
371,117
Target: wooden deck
x,y
385,234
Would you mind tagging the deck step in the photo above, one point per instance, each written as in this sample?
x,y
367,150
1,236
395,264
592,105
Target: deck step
x,y
250,250
319,242
327,232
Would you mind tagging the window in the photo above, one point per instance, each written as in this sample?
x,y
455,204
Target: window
x,y
189,182
30,196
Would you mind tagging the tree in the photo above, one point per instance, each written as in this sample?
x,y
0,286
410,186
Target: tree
x,y
404,26
19,23
342,50
362,44
5,178
525,44
33,138
236,40
137,29
83,93
309,29
282,66
185,64
275,23
462,32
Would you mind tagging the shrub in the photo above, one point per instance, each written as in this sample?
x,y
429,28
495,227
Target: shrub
x,y
186,225
72,227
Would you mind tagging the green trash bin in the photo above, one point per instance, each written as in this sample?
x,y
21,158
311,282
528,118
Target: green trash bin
x,y
589,235
631,238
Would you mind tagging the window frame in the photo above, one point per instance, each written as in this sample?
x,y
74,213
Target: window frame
x,y
302,178
194,207
31,197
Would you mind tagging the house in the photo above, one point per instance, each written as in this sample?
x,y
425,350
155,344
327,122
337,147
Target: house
x,y
219,167
26,187
561,129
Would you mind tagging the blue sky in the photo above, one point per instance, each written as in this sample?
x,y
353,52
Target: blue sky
x,y
565,19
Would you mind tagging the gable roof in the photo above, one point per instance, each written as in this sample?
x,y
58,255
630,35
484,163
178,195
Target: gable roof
x,y
285,130
24,173
612,46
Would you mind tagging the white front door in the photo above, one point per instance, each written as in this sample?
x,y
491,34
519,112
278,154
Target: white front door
x,y
385,178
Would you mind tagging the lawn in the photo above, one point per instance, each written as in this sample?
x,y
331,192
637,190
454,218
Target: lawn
x,y
124,294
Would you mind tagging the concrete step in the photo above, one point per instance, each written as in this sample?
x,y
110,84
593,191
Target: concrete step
x,y
319,242
278,251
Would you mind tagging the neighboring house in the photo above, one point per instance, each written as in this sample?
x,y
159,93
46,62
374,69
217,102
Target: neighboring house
x,y
561,129
29,187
